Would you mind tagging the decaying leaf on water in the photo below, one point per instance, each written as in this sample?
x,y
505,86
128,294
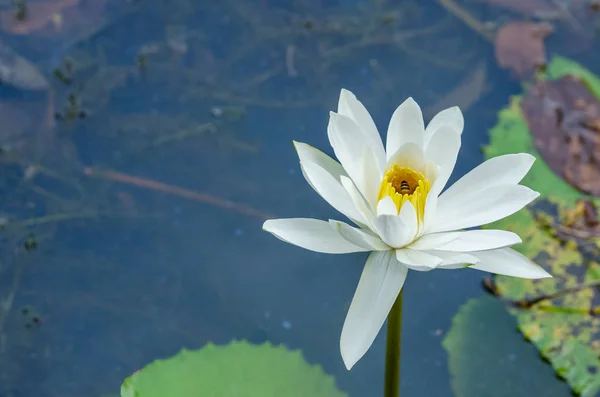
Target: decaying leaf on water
x,y
564,119
563,328
19,72
465,94
584,217
519,46
575,15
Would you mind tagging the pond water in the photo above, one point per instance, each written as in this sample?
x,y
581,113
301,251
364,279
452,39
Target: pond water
x,y
144,169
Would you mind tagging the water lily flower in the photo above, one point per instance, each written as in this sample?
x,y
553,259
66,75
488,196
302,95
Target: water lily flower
x,y
394,197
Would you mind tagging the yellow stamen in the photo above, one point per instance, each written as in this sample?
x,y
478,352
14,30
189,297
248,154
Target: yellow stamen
x,y
405,184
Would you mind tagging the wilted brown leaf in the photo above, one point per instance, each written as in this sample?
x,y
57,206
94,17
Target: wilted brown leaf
x,y
519,46
574,15
564,119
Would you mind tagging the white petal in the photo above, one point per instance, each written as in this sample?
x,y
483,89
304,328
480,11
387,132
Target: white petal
x,y
451,117
431,170
378,288
369,177
481,208
442,149
307,153
408,155
445,260
386,206
311,234
509,263
405,126
454,260
430,209
502,170
330,189
433,241
351,148
351,107
358,200
391,230
467,241
417,260
408,216
359,237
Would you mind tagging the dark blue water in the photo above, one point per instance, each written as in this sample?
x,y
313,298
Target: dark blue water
x,y
124,273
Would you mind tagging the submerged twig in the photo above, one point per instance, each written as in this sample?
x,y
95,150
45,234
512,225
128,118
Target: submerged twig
x,y
290,63
467,18
566,230
527,303
185,133
67,216
7,303
177,191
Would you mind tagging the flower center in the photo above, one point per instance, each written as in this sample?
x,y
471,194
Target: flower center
x,y
405,184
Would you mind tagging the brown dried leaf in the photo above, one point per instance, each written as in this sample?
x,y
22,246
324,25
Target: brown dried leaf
x,y
519,46
590,213
564,119
580,221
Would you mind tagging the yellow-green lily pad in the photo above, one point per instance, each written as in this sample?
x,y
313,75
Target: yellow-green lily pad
x,y
563,328
233,370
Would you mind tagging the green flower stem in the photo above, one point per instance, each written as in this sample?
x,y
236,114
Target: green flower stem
x,y
392,350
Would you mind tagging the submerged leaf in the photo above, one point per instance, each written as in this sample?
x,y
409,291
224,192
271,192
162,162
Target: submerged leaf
x,y
236,369
519,46
488,357
563,328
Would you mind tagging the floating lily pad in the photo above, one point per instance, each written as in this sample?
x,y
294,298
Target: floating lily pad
x,y
236,369
489,357
563,328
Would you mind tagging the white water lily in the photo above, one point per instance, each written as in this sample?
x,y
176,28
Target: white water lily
x,y
394,196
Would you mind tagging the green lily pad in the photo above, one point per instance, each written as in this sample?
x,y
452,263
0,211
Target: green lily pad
x,y
561,328
488,357
236,369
